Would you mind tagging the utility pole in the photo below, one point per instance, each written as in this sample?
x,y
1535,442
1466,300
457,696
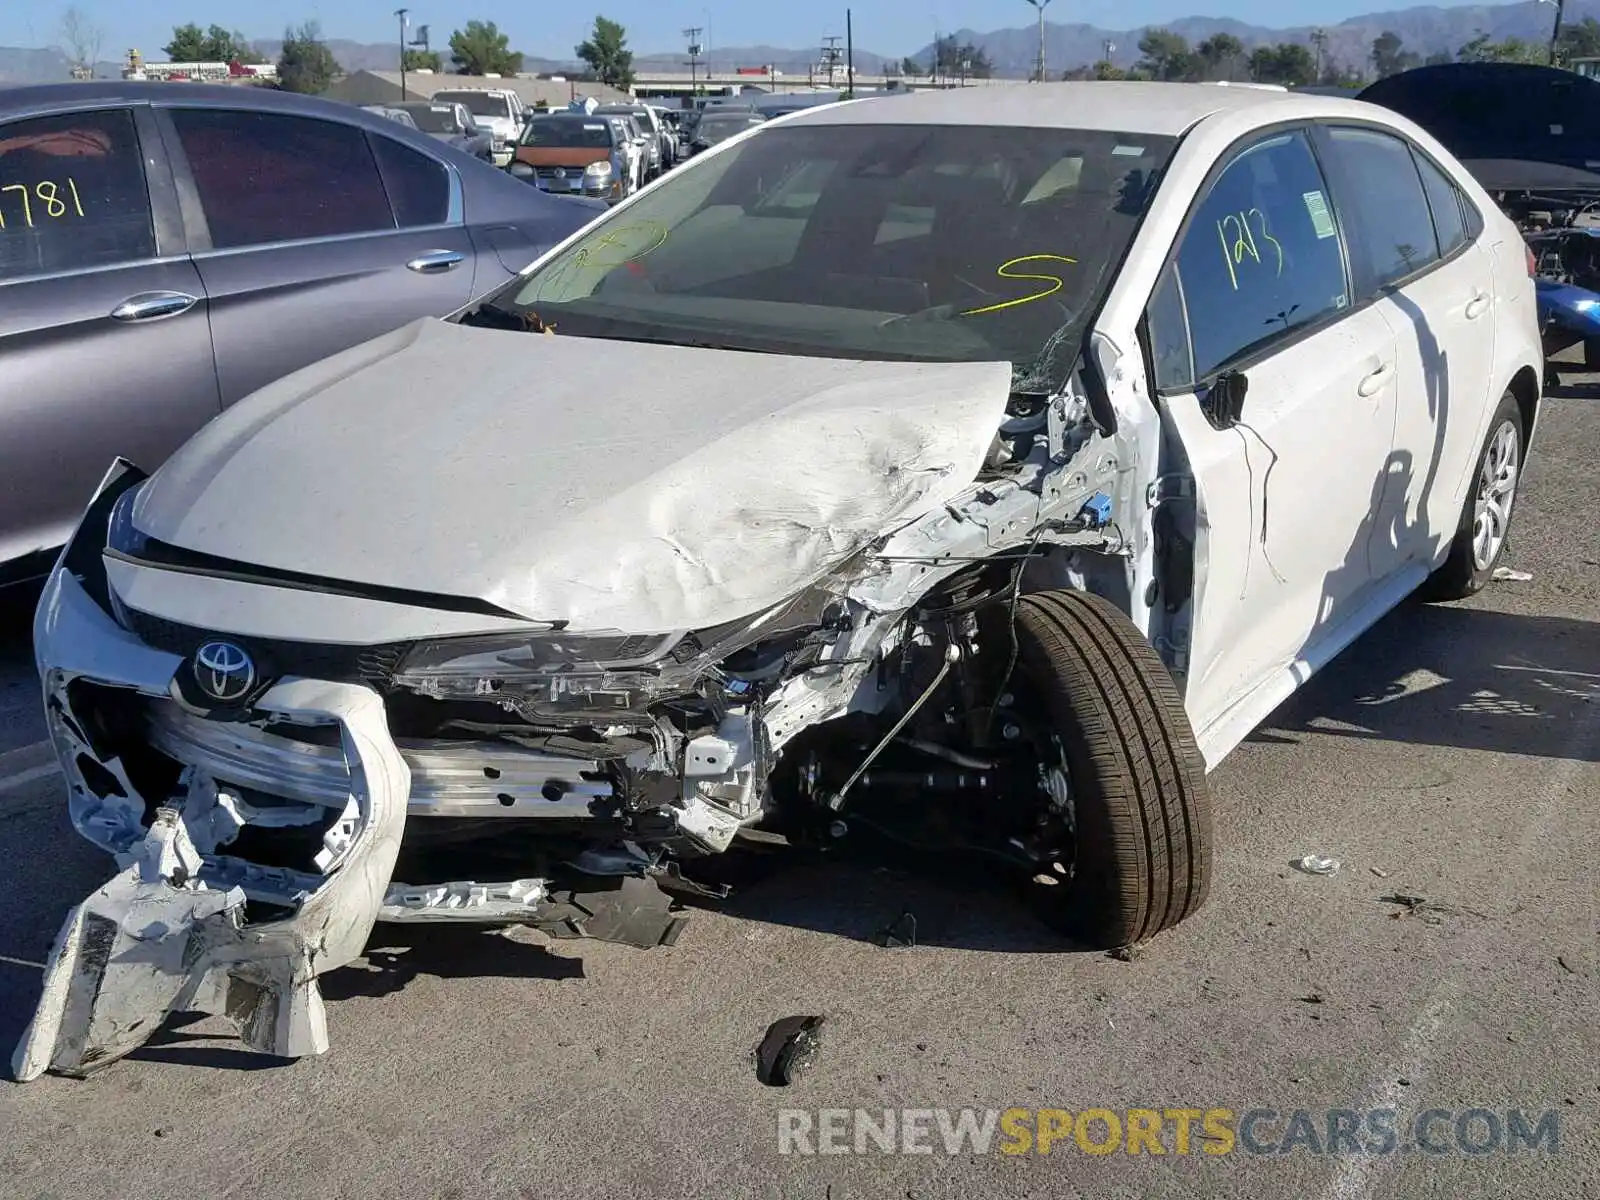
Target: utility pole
x,y
1555,31
831,54
693,34
1041,5
401,13
850,54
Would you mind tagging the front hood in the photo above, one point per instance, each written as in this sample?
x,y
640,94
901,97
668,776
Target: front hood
x,y
613,485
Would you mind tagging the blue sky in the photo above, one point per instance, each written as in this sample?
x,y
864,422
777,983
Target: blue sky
x,y
551,29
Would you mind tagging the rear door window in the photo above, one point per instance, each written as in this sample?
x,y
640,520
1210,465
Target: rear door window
x,y
1383,192
418,186
73,194
1448,205
268,177
1261,259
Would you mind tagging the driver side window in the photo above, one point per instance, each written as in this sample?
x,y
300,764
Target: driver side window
x,y
1262,258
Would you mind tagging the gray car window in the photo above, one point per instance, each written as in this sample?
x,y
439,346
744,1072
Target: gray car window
x,y
72,194
266,177
1449,218
1261,258
1397,236
419,187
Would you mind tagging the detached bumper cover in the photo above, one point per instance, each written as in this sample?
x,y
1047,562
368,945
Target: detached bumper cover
x,y
169,932
160,938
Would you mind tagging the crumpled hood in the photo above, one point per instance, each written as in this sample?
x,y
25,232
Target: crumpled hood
x,y
613,485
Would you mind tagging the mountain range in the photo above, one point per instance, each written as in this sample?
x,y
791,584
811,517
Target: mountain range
x,y
1426,30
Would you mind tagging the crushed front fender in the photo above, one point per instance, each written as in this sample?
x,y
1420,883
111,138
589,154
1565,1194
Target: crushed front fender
x,y
157,939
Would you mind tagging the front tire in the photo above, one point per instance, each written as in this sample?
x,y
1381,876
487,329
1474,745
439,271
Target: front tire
x,y
1140,804
1480,539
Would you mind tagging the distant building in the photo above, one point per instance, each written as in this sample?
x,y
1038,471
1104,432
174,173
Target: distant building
x,y
383,87
134,67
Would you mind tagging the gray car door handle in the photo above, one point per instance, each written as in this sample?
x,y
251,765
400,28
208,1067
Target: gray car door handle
x,y
435,261
147,306
1477,306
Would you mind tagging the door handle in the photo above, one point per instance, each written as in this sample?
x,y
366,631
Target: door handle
x,y
1374,382
148,306
1477,306
435,262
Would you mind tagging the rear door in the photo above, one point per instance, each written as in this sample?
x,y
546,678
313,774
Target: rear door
x,y
104,346
312,235
1413,252
1258,293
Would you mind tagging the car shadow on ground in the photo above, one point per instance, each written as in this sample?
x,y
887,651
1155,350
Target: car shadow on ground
x,y
1454,676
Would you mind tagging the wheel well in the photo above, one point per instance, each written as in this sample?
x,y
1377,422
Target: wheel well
x,y
1525,387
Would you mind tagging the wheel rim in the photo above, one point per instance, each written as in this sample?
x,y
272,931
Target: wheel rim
x,y
1497,492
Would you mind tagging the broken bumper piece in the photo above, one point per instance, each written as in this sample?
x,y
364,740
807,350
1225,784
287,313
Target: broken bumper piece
x,y
159,938
170,932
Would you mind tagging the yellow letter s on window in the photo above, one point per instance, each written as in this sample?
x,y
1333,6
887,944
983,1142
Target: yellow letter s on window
x,y
1008,270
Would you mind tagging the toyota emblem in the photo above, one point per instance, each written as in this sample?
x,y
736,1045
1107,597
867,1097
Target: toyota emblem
x,y
224,671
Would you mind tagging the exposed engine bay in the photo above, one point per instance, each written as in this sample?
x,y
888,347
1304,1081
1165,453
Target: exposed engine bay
x,y
1562,231
571,782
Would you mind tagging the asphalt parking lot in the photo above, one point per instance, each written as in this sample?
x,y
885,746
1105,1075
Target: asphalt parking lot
x,y
1452,755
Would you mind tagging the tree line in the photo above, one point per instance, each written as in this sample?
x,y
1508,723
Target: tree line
x,y
306,64
1165,55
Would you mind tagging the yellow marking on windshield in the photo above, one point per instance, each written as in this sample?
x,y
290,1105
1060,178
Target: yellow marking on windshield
x,y
613,238
1005,271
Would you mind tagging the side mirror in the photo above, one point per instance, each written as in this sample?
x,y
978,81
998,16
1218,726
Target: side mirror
x,y
1223,403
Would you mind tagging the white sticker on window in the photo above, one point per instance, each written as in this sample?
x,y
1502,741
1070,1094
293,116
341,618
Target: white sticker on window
x,y
1131,151
586,125
440,108
1321,218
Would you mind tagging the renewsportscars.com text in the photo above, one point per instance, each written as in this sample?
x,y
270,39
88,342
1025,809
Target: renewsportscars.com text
x,y
1166,1131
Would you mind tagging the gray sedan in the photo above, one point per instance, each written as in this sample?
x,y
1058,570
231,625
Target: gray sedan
x,y
452,123
166,251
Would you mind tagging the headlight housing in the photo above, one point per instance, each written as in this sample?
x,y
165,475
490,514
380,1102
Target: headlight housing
x,y
554,674
521,170
597,170
121,536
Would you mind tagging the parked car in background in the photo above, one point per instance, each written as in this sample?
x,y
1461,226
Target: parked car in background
x,y
499,110
452,123
393,113
632,139
572,154
992,463
169,249
662,145
714,127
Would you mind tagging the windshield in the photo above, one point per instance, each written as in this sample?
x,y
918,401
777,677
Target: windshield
x,y
720,128
567,133
926,243
435,118
479,104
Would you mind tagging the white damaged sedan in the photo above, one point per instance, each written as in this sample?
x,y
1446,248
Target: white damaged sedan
x,y
968,470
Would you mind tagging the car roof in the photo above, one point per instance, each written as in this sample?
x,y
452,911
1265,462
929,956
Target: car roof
x,y
1113,106
49,97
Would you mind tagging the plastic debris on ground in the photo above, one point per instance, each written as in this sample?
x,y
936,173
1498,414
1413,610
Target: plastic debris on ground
x,y
1511,575
1317,864
788,1050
